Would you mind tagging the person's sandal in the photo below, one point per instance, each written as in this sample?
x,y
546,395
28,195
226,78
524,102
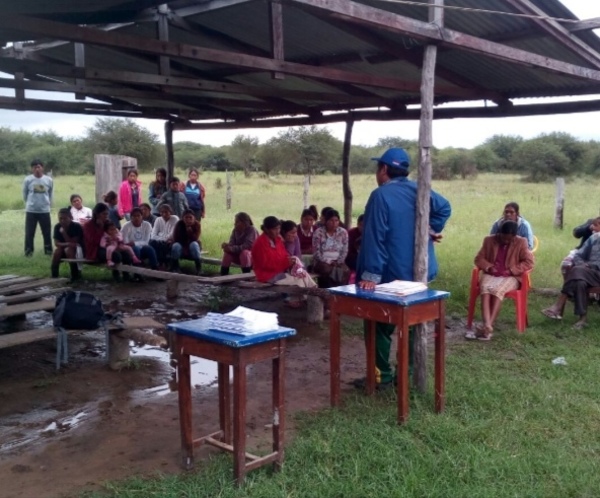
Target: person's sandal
x,y
551,313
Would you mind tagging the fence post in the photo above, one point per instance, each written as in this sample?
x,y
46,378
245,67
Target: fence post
x,y
228,194
560,203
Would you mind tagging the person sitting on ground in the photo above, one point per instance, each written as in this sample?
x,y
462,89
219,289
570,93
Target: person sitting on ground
x,y
186,241
113,241
174,198
503,260
93,231
238,249
330,248
130,194
112,199
156,189
272,263
147,213
194,192
289,234
354,239
583,274
136,234
511,213
162,234
68,240
79,212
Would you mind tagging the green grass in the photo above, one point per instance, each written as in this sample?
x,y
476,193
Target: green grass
x,y
515,425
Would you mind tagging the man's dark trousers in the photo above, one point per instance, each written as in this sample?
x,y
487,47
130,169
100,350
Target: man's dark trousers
x,y
31,221
383,345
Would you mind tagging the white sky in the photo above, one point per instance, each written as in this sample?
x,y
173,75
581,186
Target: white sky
x,y
446,133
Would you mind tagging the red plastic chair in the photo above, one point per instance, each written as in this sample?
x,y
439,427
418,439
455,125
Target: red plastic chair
x,y
519,296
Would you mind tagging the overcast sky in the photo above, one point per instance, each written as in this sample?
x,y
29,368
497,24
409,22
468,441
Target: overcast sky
x,y
446,133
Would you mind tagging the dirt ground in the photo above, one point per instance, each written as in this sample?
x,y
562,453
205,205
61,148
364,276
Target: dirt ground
x,y
62,433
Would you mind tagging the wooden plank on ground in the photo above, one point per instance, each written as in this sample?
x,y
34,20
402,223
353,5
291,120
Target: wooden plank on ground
x,y
163,275
226,279
27,336
40,282
21,309
31,296
7,277
16,280
82,261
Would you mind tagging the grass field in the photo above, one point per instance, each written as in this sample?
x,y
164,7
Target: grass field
x,y
515,425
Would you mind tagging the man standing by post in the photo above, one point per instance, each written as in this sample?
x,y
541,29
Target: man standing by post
x,y
37,194
388,243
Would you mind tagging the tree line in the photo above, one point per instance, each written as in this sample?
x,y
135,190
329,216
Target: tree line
x,y
302,150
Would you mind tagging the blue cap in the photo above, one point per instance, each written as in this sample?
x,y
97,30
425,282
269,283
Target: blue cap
x,y
395,158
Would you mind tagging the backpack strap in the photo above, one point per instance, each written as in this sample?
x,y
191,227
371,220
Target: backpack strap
x,y
62,351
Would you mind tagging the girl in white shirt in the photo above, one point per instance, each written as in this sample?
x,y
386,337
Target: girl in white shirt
x,y
162,233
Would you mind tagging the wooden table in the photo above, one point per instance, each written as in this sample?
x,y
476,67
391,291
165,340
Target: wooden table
x,y
196,338
405,311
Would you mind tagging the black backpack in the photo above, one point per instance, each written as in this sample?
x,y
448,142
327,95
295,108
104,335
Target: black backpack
x,y
78,310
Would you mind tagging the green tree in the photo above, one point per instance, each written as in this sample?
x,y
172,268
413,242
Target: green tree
x,y
486,159
449,163
504,146
242,152
271,157
125,137
541,160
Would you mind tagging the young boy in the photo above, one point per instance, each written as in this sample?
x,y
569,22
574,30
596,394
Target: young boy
x,y
147,214
186,241
68,237
174,198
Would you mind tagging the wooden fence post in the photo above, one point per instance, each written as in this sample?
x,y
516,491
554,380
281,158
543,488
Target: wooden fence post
x,y
305,191
560,203
228,192
346,175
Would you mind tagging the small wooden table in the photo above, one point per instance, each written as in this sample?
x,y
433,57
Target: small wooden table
x,y
405,311
196,338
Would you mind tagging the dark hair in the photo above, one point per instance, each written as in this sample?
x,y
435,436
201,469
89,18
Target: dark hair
x,y
146,205
135,210
270,222
165,206
393,172
66,211
314,210
35,162
188,211
193,170
509,227
361,217
330,214
287,226
74,196
132,170
174,179
108,225
244,218
98,209
308,212
110,196
513,205
161,170
325,209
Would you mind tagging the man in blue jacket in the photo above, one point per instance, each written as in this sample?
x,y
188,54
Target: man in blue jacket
x,y
388,242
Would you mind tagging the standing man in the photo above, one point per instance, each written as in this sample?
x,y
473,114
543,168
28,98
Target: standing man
x,y
37,194
388,243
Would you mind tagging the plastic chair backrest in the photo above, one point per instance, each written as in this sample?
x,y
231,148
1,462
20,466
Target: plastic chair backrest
x,y
536,244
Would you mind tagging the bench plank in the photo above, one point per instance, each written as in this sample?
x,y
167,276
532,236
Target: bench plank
x,y
31,296
7,277
15,280
40,282
227,279
21,309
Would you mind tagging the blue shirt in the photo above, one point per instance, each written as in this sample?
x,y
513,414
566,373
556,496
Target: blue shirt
x,y
524,230
388,241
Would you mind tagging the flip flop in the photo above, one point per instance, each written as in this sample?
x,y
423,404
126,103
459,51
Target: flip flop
x,y
579,326
485,337
550,313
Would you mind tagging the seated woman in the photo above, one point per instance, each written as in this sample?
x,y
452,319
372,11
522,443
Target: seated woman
x,y
306,230
186,241
68,239
147,213
330,248
238,249
354,240
270,260
93,231
583,274
136,234
502,259
112,199
289,234
79,212
511,213
162,234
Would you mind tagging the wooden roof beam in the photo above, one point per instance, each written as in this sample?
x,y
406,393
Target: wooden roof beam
x,y
583,25
380,19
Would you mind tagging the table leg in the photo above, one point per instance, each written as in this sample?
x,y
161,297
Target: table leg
x,y
239,418
185,410
440,358
279,405
334,352
403,355
370,349
224,401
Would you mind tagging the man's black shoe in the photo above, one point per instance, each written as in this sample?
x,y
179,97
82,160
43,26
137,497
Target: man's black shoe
x,y
361,383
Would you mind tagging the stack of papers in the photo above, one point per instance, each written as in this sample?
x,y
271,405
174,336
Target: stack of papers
x,y
243,321
401,287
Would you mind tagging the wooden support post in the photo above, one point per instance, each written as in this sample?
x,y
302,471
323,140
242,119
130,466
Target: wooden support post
x,y
172,289
314,309
346,174
306,190
560,203
118,351
79,62
424,190
164,62
276,26
169,150
228,191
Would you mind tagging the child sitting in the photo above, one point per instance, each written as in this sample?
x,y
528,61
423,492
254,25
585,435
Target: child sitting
x,y
186,241
112,241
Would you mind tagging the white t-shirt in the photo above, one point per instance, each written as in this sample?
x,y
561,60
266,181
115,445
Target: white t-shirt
x,y
140,236
162,229
81,214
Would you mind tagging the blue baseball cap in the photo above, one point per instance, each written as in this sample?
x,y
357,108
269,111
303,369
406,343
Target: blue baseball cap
x,y
394,158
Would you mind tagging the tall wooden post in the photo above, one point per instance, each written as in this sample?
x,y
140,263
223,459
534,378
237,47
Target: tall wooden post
x,y
228,191
169,150
305,190
560,203
436,15
346,174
